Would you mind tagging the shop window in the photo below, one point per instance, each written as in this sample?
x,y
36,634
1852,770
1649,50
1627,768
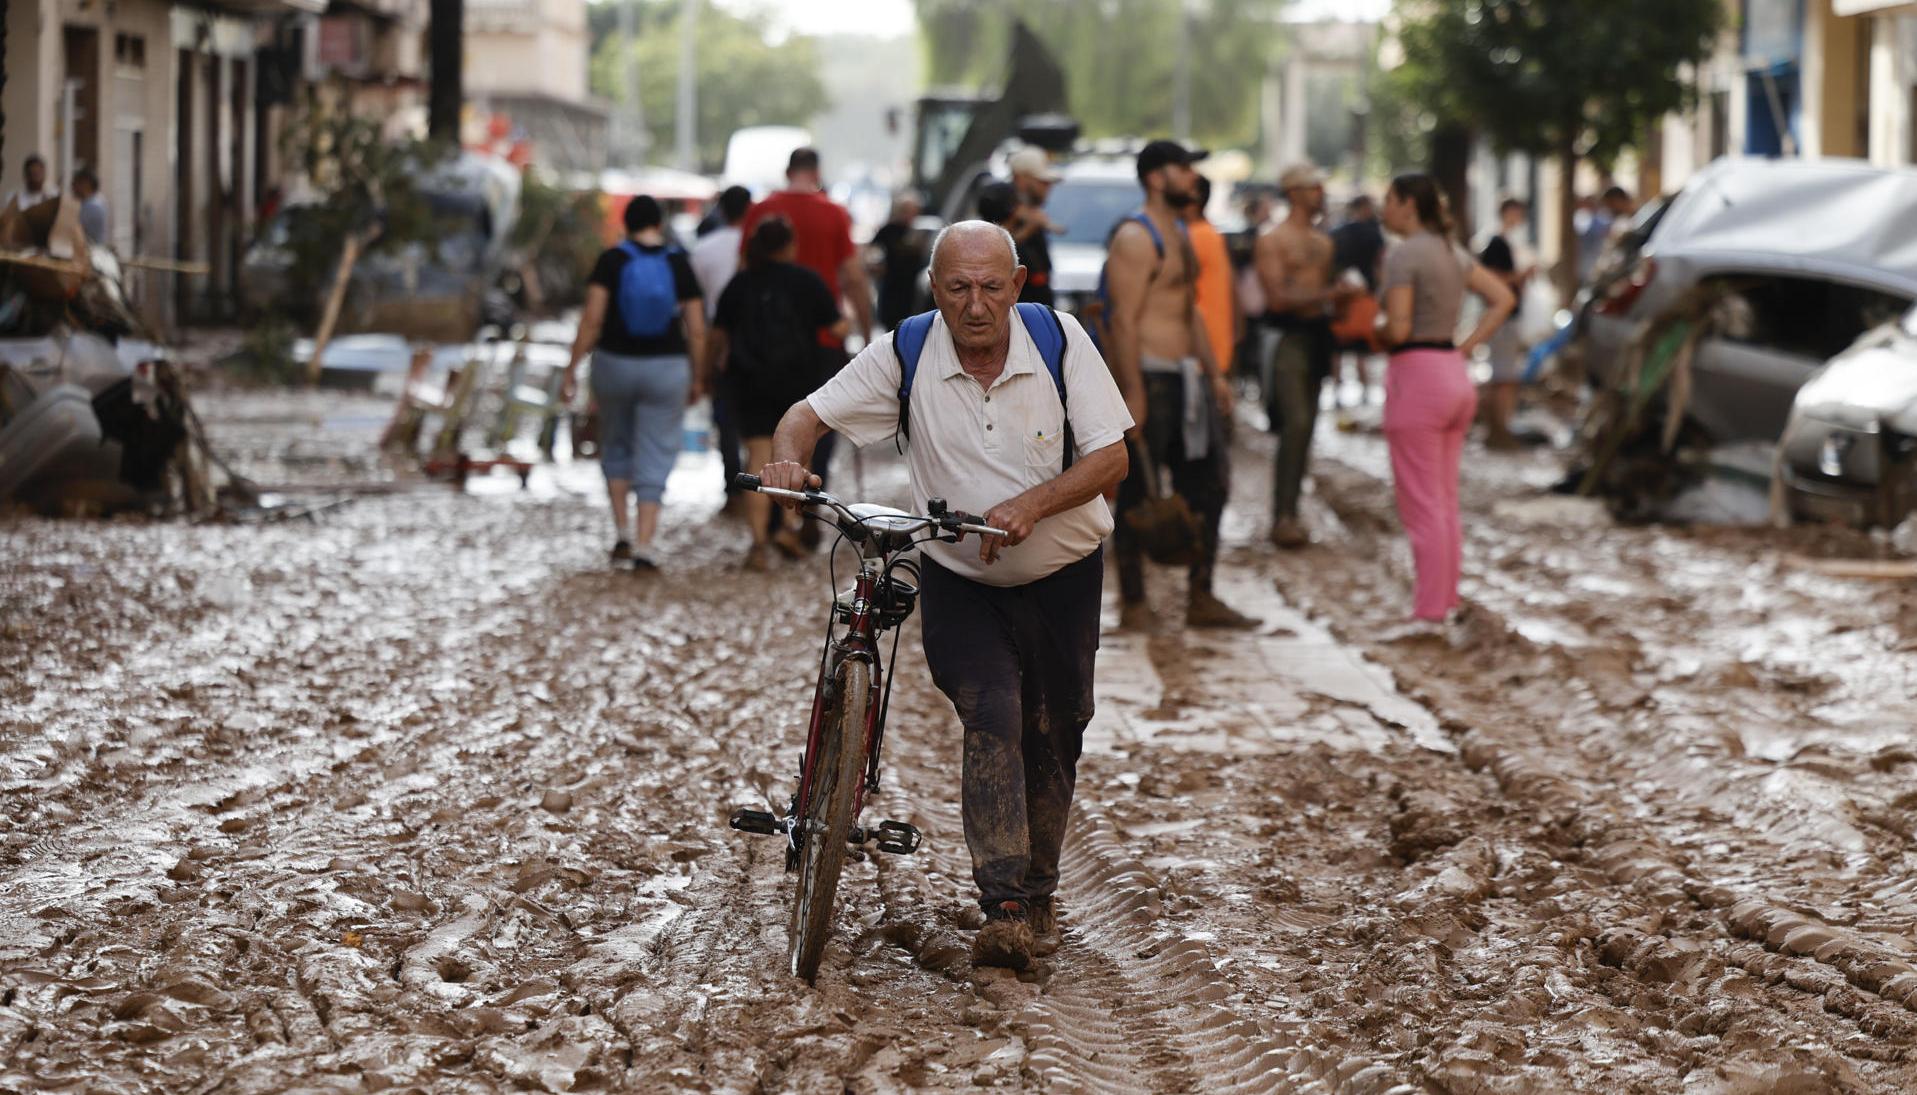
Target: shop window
x,y
129,52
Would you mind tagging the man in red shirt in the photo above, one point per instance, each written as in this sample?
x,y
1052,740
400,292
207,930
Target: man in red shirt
x,y
824,231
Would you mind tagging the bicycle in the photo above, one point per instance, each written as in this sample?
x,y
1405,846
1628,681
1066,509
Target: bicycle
x,y
840,764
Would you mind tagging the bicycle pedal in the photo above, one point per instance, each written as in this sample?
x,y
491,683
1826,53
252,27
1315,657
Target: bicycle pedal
x,y
896,837
757,821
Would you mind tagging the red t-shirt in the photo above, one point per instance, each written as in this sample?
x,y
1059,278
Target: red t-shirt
x,y
823,228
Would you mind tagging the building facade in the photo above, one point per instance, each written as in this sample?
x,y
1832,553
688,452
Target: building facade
x,y
526,83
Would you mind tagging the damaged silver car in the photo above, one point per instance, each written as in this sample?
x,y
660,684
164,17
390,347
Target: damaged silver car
x,y
1850,451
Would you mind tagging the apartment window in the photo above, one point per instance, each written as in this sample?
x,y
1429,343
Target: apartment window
x,y
129,52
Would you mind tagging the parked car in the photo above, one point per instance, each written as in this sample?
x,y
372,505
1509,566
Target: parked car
x,y
1850,451
441,290
1815,254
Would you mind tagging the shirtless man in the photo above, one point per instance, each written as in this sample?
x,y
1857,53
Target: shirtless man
x,y
1175,389
1293,260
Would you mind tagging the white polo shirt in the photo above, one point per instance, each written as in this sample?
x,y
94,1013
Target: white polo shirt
x,y
976,448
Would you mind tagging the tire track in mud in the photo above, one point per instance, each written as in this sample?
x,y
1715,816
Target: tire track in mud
x,y
1129,1003
1848,974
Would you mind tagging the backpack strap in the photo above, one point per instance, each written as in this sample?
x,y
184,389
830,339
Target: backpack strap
x,y
1158,239
630,248
1048,334
908,343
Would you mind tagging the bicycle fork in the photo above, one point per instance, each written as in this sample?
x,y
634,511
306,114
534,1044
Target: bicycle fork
x,y
896,837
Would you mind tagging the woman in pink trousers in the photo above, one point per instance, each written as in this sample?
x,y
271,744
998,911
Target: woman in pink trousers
x,y
1429,397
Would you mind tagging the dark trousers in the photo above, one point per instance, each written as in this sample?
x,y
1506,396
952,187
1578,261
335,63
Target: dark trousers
x,y
1202,483
1017,664
1298,374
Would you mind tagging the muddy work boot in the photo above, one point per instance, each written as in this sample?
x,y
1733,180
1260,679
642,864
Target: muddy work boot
x,y
1205,610
1045,936
1006,939
1289,533
1134,616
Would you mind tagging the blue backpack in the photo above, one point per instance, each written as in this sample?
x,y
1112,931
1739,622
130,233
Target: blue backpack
x,y
1040,321
648,296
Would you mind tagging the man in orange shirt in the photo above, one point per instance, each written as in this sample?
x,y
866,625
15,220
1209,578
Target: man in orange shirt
x,y
1217,305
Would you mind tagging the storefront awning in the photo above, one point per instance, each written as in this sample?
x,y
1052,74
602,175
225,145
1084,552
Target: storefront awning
x,y
1873,7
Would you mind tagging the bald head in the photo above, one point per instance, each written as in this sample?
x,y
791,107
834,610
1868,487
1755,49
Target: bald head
x,y
976,279
975,244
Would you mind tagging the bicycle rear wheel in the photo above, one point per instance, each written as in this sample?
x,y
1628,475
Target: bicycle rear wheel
x,y
835,780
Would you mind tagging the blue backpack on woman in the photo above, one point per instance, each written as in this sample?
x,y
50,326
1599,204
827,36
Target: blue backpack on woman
x,y
648,295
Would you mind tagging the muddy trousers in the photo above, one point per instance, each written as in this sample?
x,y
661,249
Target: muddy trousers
x,y
1297,374
1202,483
1016,662
1429,404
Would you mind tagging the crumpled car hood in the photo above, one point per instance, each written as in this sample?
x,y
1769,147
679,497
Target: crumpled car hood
x,y
1872,384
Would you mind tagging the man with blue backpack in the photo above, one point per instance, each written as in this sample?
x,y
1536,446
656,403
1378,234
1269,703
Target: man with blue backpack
x,y
1004,409
644,326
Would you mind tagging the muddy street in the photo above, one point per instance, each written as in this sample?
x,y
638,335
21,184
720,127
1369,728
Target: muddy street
x,y
420,795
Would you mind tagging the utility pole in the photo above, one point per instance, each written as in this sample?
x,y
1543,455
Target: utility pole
x,y
1181,77
447,93
631,128
685,127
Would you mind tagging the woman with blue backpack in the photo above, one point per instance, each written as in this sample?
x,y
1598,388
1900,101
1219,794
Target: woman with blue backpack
x,y
644,326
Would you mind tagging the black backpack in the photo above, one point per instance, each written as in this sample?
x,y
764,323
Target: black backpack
x,y
773,347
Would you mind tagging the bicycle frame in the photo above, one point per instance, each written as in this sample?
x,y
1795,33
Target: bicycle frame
x,y
860,641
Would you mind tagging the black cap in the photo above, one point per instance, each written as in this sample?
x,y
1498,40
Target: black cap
x,y
1160,153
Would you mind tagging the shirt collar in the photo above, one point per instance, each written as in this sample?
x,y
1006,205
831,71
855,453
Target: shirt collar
x,y
1017,361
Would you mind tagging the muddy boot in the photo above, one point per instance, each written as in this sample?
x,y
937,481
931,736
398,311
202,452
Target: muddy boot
x,y
1134,616
755,558
1208,611
1289,533
622,552
1503,441
1006,938
1045,937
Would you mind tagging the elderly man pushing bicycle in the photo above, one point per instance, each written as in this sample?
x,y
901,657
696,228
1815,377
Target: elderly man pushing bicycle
x,y
1011,413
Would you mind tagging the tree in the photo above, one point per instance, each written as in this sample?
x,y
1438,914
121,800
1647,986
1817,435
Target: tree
x,y
1119,58
370,202
1574,79
743,79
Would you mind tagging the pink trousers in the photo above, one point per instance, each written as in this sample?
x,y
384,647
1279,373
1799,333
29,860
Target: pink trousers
x,y
1429,404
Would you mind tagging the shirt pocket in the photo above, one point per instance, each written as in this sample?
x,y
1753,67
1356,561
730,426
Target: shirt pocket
x,y
1045,446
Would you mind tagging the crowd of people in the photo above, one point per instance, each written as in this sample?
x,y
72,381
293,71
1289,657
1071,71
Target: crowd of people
x,y
1069,431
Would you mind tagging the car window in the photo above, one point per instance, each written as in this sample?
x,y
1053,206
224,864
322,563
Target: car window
x,y
1809,317
1089,208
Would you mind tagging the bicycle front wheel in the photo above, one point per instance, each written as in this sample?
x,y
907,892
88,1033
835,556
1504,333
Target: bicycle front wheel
x,y
828,817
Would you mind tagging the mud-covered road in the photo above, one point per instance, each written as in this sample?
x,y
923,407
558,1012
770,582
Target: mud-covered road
x,y
417,795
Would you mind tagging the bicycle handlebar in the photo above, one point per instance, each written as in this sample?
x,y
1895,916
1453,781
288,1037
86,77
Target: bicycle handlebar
x,y
946,521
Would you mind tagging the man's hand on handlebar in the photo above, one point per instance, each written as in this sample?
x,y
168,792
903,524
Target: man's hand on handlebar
x,y
789,475
1017,519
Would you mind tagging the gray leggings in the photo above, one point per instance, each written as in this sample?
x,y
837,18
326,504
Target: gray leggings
x,y
642,407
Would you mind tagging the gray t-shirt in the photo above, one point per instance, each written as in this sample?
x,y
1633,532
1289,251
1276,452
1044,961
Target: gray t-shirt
x,y
1436,270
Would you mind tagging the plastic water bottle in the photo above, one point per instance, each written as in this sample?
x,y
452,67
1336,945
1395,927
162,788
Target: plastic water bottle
x,y
698,426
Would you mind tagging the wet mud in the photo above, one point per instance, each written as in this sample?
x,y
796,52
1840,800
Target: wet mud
x,y
418,795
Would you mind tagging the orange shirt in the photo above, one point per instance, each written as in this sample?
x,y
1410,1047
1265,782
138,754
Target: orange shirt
x,y
1214,288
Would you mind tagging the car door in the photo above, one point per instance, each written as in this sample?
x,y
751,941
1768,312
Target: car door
x,y
1769,335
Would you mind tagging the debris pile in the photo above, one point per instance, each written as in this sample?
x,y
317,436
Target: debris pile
x,y
94,416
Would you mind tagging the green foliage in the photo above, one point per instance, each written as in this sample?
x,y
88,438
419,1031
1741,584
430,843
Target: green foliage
x,y
743,79
1119,58
367,183
1549,76
557,235
265,355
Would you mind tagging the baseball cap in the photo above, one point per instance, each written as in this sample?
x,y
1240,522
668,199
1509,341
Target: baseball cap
x,y
1301,176
1034,162
1161,153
